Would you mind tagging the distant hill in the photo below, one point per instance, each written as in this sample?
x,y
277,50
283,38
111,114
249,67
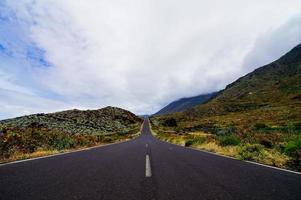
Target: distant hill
x,y
108,119
273,85
185,103
270,94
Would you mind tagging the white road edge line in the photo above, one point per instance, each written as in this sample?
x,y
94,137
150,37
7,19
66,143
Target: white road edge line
x,y
74,151
248,161
260,164
60,154
148,170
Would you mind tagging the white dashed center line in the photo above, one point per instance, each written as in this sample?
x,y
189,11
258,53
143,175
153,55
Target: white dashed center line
x,y
148,170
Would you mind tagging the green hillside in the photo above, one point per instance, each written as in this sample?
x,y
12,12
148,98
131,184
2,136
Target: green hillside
x,y
276,84
262,108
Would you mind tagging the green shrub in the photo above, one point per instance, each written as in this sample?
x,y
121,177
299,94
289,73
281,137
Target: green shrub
x,y
260,126
200,140
124,132
226,131
292,146
250,152
266,143
188,142
31,140
195,140
64,142
291,128
3,147
171,122
229,140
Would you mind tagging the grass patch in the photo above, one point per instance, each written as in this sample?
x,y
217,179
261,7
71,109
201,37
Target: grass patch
x,y
216,148
257,152
195,141
233,146
250,152
292,146
260,126
229,140
22,156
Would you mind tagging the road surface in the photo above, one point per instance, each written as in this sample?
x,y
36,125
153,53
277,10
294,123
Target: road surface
x,y
144,168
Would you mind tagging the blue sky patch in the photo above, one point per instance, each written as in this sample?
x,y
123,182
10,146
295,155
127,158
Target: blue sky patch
x,y
37,56
2,18
2,47
4,50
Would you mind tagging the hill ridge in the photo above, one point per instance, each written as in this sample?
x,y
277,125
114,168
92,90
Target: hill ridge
x,y
105,119
185,103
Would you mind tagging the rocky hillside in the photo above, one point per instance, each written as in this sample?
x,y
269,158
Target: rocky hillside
x,y
105,120
185,103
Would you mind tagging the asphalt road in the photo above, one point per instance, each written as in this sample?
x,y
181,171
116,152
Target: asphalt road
x,y
123,171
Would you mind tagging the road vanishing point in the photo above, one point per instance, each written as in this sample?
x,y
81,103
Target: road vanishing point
x,y
144,168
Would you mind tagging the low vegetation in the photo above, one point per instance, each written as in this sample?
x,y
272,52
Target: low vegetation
x,y
34,141
38,135
284,154
105,120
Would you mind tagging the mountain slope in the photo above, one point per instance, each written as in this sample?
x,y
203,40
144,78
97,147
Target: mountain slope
x,y
185,103
269,93
257,117
273,85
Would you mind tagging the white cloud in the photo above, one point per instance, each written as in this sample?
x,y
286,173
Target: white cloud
x,y
274,43
13,103
141,54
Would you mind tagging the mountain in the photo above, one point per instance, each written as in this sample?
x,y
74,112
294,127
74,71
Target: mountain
x,y
108,119
257,117
273,86
276,84
270,93
185,103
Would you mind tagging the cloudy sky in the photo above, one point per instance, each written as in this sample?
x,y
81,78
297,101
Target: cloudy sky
x,y
135,54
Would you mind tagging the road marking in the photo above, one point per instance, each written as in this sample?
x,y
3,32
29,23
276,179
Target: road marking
x,y
272,167
247,161
146,145
148,170
216,154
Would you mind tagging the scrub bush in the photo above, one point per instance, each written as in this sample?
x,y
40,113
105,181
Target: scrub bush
x,y
229,140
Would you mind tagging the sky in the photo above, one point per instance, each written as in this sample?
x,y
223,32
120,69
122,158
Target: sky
x,y
135,54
